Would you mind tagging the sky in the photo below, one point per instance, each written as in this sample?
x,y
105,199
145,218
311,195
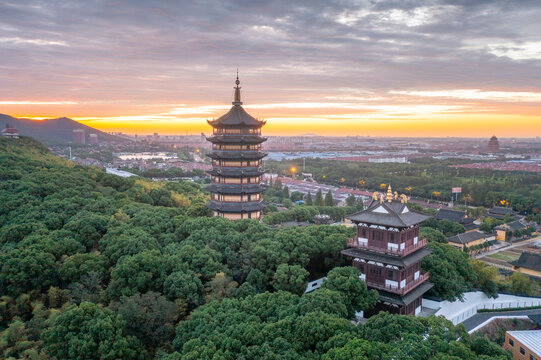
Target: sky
x,y
327,67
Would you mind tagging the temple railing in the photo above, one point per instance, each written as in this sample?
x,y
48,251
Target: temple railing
x,y
353,243
397,289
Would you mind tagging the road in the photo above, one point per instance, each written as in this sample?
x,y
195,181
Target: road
x,y
480,318
511,246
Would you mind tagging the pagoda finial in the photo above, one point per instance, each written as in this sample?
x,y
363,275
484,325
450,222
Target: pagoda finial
x,y
389,194
237,100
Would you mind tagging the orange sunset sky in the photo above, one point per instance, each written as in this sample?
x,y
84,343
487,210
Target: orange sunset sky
x,y
438,68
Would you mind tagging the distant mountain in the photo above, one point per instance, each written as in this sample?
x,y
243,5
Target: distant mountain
x,y
54,131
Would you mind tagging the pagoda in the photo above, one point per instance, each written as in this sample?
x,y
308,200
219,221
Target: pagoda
x,y
237,173
387,252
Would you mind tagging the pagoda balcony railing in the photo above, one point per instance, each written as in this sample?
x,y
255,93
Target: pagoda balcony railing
x,y
353,243
397,289
236,166
237,201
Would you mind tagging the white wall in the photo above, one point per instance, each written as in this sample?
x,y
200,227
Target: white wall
x,y
459,311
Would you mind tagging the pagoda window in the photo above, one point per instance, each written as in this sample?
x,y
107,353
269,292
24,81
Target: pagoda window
x,y
232,131
377,235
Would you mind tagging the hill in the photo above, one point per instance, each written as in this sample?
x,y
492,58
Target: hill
x,y
54,131
95,266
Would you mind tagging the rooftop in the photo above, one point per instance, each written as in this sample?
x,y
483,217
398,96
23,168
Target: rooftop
x,y
394,213
529,338
467,237
529,261
448,214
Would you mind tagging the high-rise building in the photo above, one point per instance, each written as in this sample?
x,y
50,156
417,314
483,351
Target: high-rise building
x,y
387,252
79,136
493,144
237,174
93,139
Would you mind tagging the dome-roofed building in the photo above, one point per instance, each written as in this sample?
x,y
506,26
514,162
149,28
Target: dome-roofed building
x,y
493,144
237,173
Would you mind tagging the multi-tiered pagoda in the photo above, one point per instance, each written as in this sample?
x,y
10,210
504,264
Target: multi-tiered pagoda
x,y
387,252
237,173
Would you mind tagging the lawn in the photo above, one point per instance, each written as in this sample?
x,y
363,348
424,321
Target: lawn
x,y
505,256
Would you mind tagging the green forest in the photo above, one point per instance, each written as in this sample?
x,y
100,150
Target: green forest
x,y
94,266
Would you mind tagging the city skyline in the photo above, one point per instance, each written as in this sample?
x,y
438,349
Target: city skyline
x,y
434,69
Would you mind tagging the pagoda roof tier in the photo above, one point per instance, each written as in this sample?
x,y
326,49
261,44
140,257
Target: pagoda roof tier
x,y
236,207
383,258
236,171
392,213
236,189
236,116
407,298
252,155
236,139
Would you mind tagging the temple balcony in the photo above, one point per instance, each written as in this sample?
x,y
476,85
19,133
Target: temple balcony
x,y
354,243
400,290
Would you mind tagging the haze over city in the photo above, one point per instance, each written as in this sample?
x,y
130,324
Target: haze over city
x,y
412,68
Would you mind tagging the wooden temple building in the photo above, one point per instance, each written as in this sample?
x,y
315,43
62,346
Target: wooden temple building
x,y
387,252
237,173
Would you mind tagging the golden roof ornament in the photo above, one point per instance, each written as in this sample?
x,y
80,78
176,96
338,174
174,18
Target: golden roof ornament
x,y
381,198
396,195
389,194
403,199
375,195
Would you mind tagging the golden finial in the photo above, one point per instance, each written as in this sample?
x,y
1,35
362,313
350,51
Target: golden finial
x,y
375,195
389,194
396,195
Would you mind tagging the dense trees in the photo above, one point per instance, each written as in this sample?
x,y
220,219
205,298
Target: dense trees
x,y
89,331
94,266
356,296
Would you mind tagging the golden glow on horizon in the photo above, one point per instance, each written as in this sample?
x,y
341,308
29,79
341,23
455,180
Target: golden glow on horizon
x,y
437,113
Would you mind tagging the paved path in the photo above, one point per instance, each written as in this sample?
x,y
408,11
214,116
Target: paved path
x,y
511,246
480,318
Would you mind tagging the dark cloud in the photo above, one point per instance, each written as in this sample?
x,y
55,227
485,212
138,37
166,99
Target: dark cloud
x,y
186,51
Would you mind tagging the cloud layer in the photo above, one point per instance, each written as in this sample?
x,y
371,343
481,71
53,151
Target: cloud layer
x,y
322,59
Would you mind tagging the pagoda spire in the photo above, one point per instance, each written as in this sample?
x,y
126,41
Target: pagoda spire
x,y
237,100
389,194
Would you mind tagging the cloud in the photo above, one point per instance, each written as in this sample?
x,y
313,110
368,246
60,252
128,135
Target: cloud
x,y
24,102
331,56
476,94
40,42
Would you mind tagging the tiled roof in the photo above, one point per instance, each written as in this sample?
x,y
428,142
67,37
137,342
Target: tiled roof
x,y
448,214
529,261
237,116
467,237
394,213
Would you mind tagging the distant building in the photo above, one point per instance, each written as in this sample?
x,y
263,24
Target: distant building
x,y
237,173
499,212
529,264
93,139
525,344
502,230
10,132
469,239
387,252
457,216
379,160
493,144
79,136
